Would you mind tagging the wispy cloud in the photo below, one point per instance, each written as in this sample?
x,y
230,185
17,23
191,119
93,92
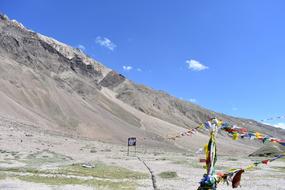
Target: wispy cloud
x,y
280,125
193,100
127,68
234,108
139,69
82,47
105,42
196,65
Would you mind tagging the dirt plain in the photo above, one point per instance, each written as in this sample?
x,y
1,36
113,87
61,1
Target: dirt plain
x,y
33,160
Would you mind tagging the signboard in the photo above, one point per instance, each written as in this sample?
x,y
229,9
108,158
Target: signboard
x,y
132,141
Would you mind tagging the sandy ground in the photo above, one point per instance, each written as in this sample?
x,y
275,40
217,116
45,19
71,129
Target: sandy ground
x,y
21,146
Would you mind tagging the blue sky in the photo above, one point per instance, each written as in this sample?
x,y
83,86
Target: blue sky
x,y
224,55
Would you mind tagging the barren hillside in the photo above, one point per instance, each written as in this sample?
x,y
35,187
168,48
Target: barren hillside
x,y
59,89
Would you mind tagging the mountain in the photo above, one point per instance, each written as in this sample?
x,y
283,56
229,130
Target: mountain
x,y
58,89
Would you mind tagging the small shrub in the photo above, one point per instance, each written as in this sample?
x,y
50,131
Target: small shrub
x,y
168,175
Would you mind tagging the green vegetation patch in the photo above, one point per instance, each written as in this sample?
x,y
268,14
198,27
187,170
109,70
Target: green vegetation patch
x,y
51,180
168,175
197,164
279,168
221,167
112,185
108,174
46,156
100,184
2,176
26,170
103,171
181,162
100,170
189,163
232,159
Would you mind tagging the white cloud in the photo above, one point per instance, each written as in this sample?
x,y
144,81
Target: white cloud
x,y
280,125
139,69
82,47
195,65
127,68
105,42
193,100
234,108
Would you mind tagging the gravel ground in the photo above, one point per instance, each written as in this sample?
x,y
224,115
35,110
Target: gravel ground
x,y
23,146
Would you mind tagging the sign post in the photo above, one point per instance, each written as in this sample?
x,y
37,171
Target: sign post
x,y
132,141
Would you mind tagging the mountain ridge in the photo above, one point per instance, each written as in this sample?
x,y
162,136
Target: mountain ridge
x,y
74,93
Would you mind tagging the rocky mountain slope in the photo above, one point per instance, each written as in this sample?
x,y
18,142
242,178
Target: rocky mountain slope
x,y
59,89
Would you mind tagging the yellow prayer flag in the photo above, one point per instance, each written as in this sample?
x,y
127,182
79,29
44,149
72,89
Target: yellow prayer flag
x,y
258,135
220,123
206,151
235,136
249,167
